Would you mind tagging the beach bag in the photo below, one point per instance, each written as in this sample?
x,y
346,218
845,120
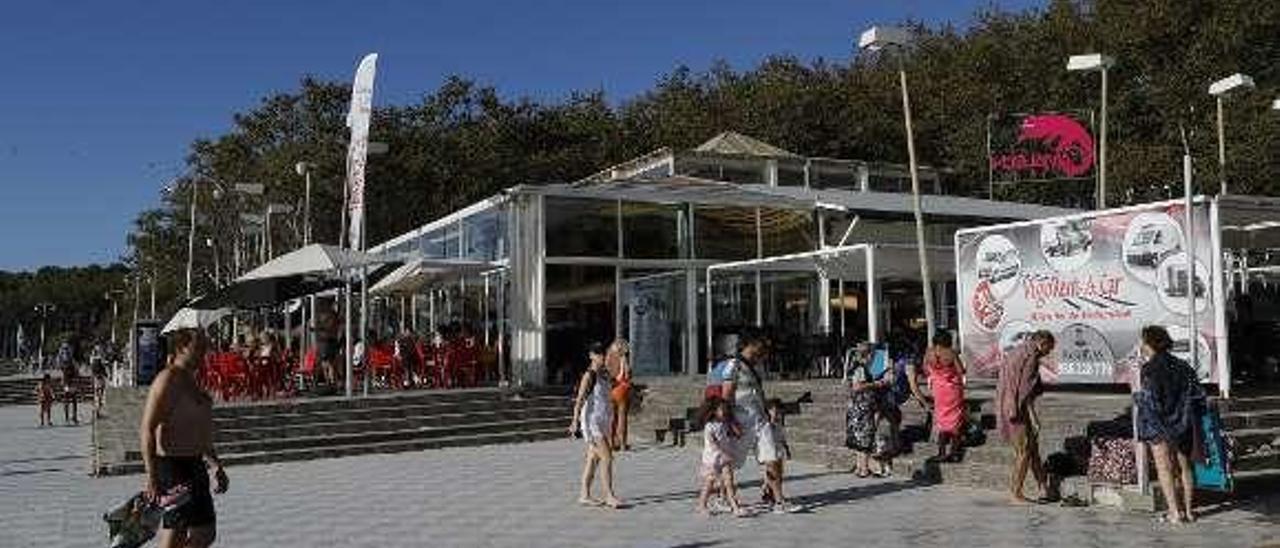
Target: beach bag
x,y
1112,460
132,523
1213,472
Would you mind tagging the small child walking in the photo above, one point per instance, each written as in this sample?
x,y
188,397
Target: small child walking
x,y
44,397
772,454
717,457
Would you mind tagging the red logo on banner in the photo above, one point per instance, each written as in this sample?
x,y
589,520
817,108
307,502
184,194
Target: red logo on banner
x,y
1047,146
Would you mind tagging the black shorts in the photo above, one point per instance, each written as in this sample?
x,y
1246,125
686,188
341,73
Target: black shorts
x,y
191,471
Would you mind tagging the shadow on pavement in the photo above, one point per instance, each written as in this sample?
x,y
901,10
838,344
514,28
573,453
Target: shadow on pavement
x,y
692,494
817,501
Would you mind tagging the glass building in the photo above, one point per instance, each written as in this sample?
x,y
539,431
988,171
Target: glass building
x,y
545,269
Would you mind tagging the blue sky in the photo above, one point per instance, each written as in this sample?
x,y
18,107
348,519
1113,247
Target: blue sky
x,y
100,99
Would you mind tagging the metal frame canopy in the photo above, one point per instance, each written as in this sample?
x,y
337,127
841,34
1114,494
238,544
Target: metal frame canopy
x,y
678,189
865,262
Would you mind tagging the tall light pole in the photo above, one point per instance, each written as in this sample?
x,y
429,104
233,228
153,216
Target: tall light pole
x,y
115,311
879,38
1236,83
1097,62
309,313
43,309
304,169
191,234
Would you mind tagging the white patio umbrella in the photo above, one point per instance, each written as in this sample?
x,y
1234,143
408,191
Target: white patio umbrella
x,y
419,273
315,259
190,318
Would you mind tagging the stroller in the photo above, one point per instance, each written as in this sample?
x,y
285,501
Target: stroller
x,y
132,523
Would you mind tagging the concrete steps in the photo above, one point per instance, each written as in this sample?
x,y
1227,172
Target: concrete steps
x,y
334,427
21,390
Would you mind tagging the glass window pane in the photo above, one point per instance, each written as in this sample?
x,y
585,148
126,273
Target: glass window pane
x,y
485,235
581,227
651,231
580,311
834,174
725,232
790,172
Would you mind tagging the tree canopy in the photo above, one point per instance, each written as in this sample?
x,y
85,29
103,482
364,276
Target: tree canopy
x,y
465,140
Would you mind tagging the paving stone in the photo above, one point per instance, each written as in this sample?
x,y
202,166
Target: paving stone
x,y
523,495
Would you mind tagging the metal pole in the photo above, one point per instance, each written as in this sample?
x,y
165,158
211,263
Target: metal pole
x,y
191,236
915,202
152,279
347,320
306,214
115,315
364,308
1102,153
1222,151
1191,263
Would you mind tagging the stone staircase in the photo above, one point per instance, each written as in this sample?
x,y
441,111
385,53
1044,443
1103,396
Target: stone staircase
x,y
816,435
1252,421
21,389
307,429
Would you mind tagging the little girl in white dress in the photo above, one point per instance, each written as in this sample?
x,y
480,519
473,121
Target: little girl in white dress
x,y
717,457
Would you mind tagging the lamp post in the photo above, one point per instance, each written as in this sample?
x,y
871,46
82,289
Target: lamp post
x,y
1097,62
1236,83
875,39
115,311
309,313
43,309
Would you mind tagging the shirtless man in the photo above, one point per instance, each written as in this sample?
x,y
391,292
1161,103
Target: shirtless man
x,y
177,447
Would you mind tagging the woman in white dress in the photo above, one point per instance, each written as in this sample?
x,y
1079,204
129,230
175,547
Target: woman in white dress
x,y
593,420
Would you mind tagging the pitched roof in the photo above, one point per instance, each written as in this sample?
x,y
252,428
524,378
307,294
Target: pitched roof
x,y
731,142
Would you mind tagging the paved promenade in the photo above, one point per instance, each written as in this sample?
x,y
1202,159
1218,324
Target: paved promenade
x,y
523,495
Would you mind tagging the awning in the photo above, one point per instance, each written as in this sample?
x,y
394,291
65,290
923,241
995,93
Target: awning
x,y
315,259
249,294
420,273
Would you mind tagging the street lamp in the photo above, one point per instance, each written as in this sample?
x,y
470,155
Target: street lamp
x,y
1236,83
43,309
303,169
875,39
115,311
1097,62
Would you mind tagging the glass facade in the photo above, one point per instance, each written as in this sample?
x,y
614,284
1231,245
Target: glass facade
x,y
725,232
653,231
581,227
580,305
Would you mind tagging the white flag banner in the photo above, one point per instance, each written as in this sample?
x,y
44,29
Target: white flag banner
x,y
358,120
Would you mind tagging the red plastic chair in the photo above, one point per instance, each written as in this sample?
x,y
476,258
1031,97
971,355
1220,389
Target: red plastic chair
x,y
382,362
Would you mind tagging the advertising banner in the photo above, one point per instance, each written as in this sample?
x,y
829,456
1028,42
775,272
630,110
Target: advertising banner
x,y
358,151
1040,147
1094,282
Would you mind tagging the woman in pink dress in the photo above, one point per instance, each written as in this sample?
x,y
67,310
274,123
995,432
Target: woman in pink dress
x,y
945,372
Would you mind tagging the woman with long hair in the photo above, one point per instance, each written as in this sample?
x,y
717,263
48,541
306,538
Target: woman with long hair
x,y
593,420
177,447
1169,403
618,361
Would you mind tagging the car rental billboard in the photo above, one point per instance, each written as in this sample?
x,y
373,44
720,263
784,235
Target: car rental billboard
x,y
1094,281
